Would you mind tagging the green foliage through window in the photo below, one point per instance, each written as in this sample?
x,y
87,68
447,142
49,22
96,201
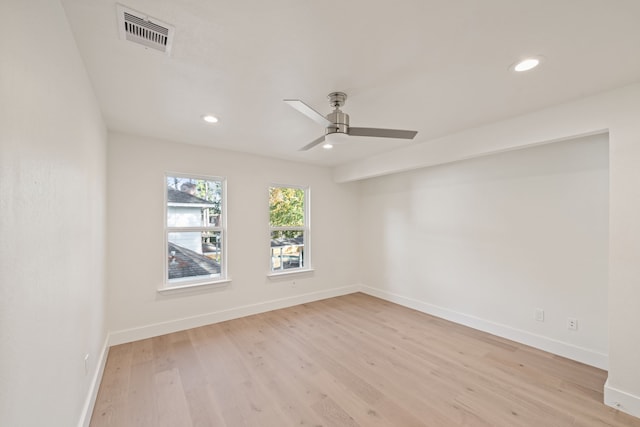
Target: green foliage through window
x,y
286,207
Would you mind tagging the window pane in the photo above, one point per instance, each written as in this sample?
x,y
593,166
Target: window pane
x,y
287,249
193,202
194,255
286,207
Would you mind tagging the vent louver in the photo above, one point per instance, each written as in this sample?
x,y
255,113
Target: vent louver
x,y
149,32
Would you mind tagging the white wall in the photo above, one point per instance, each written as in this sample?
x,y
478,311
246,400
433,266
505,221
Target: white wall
x,y
52,226
136,168
487,241
616,111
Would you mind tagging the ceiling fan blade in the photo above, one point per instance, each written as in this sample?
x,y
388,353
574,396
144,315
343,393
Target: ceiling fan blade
x,y
308,111
312,144
383,133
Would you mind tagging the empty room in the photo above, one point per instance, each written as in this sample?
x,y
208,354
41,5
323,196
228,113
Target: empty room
x,y
410,213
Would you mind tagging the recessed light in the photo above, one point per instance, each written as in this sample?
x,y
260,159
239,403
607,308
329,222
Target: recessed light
x,y
210,119
327,146
526,64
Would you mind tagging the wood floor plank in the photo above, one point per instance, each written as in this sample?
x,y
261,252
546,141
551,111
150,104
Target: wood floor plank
x,y
172,406
142,394
349,361
111,401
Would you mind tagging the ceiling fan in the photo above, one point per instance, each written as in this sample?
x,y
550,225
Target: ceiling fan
x,y
337,123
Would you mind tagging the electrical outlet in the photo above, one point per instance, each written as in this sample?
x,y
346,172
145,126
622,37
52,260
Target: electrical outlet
x,y
572,323
539,315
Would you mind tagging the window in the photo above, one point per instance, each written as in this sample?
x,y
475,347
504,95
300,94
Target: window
x,y
289,227
195,230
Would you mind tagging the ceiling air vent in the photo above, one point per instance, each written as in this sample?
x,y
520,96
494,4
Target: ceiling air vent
x,y
145,30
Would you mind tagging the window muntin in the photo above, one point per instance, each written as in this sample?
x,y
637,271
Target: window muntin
x,y
194,230
289,228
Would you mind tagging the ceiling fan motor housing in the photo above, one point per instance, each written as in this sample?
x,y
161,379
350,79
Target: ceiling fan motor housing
x,y
339,120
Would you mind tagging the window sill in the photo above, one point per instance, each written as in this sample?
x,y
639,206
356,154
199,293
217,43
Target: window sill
x,y
193,286
290,273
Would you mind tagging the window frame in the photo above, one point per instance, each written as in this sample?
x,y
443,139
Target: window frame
x,y
305,228
223,277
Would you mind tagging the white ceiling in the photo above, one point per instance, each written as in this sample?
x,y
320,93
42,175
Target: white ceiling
x,y
435,66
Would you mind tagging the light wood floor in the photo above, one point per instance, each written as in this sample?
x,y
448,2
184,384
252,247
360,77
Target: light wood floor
x,y
348,361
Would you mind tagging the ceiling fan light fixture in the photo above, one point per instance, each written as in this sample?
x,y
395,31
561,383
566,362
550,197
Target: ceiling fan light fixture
x,y
210,119
334,138
526,64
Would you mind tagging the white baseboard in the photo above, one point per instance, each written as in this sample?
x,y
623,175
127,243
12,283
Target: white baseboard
x,y
621,400
87,409
560,348
154,330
